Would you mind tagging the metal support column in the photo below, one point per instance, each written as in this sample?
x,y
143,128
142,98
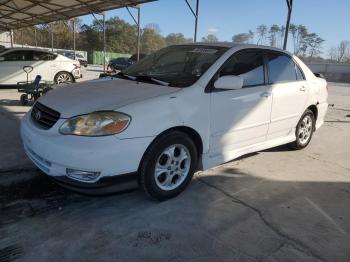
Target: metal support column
x,y
138,32
11,38
104,41
22,37
138,24
290,7
52,37
73,21
195,14
35,37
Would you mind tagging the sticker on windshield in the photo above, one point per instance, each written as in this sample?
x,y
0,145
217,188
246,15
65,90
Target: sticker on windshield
x,y
204,51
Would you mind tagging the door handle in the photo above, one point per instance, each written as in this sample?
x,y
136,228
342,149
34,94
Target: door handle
x,y
303,88
265,94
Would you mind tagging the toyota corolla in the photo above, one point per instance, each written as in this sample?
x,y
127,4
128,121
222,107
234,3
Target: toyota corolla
x,y
182,109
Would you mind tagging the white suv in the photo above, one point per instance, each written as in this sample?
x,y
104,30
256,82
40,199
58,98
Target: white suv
x,y
181,109
51,67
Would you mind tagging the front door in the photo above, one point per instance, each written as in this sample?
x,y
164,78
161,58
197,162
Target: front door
x,y
240,118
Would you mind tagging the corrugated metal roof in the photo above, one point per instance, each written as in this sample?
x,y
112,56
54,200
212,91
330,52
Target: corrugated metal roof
x,y
22,13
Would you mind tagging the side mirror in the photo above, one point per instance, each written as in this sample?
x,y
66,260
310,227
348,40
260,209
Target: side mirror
x,y
2,58
229,82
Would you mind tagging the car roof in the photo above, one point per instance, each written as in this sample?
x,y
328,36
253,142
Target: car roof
x,y
231,45
26,49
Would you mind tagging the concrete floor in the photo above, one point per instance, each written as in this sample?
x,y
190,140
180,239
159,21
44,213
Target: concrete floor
x,y
276,205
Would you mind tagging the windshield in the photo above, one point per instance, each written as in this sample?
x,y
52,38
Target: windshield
x,y
179,66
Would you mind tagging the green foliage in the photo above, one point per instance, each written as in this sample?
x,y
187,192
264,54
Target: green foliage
x,y
243,38
210,39
176,39
121,37
151,41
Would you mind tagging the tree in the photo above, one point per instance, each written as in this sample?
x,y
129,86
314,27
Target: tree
x,y
333,54
176,38
300,43
241,38
151,41
274,29
313,42
261,32
281,36
343,48
210,38
293,30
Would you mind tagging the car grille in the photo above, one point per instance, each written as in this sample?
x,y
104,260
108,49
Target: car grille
x,y
44,116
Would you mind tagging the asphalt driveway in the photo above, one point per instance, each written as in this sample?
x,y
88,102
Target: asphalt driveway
x,y
275,205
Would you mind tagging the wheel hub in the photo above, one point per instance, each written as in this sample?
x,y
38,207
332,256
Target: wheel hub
x,y
172,167
305,129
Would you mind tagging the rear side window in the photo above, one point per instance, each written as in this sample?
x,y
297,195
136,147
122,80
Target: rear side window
x,y
247,64
43,56
17,56
281,68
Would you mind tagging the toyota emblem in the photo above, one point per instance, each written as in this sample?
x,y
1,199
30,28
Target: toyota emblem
x,y
37,115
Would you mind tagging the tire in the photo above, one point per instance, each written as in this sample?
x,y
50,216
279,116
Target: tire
x,y
24,99
304,130
168,166
63,77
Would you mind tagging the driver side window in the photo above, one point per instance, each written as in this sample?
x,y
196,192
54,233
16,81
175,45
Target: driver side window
x,y
247,64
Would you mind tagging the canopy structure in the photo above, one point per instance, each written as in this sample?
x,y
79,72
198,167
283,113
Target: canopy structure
x,y
16,14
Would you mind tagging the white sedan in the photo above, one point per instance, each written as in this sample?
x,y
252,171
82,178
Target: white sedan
x,y
181,109
52,67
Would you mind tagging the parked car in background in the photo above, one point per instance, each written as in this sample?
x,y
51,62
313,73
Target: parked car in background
x,y
183,108
51,66
121,63
133,58
82,60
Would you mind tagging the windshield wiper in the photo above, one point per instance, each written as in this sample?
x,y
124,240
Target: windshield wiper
x,y
125,76
152,79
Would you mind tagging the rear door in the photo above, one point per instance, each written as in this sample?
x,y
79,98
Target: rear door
x,y
44,64
11,68
289,90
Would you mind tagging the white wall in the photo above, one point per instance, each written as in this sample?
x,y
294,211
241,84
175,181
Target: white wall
x,y
332,71
5,39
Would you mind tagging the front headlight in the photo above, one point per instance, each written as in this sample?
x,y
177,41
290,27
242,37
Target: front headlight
x,y
102,123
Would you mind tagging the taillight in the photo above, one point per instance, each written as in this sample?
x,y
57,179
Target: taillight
x,y
76,66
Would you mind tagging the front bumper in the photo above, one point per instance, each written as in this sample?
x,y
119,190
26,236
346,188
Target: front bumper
x,y
54,153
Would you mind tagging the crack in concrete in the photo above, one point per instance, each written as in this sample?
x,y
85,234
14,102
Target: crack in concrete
x,y
278,248
295,243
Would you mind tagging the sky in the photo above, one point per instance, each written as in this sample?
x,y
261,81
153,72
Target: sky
x,y
330,19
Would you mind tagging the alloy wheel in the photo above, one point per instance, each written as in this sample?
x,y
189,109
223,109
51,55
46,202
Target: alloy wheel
x,y
305,129
172,167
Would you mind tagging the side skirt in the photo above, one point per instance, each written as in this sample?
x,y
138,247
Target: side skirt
x,y
209,162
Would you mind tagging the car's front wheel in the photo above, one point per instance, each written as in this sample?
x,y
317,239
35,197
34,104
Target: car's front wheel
x,y
168,165
304,130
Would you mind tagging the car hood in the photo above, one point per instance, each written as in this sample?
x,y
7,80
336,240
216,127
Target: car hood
x,y
99,95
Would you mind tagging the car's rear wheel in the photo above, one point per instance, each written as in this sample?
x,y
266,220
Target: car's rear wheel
x,y
168,165
63,77
304,130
